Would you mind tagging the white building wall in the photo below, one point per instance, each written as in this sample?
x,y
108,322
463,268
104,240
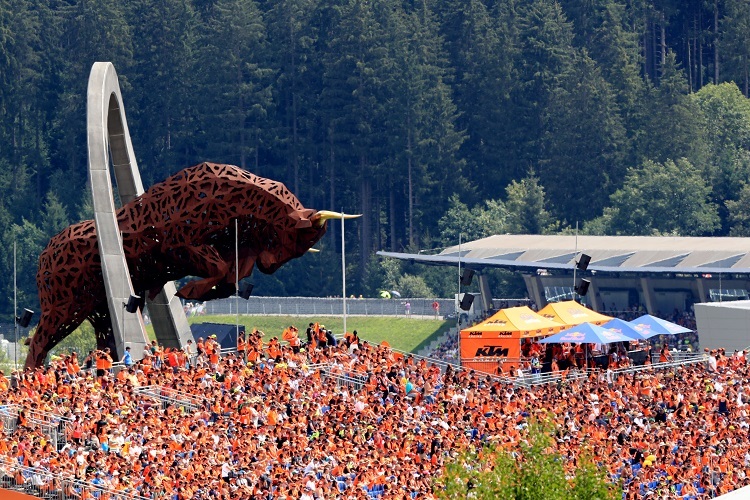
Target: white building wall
x,y
724,324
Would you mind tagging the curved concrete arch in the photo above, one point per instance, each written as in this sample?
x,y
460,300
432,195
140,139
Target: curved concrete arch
x,y
107,131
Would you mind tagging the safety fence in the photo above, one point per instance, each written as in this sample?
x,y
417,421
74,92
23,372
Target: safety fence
x,y
314,306
41,483
170,397
53,426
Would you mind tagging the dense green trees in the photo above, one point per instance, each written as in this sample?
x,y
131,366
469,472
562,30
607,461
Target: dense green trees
x,y
429,118
534,471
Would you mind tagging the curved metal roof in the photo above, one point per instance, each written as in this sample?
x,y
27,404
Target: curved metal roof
x,y
609,254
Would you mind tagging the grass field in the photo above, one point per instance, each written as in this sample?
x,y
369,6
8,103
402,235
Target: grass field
x,y
401,333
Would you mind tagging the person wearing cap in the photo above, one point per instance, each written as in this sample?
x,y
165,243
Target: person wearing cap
x,y
320,336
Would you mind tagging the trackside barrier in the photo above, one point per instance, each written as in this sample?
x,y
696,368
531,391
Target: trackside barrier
x,y
169,397
42,483
53,426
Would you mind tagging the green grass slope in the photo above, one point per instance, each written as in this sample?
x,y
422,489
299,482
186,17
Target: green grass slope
x,y
401,333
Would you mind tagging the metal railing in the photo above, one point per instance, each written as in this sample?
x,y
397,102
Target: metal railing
x,y
678,355
532,379
169,397
677,362
352,381
53,426
441,363
41,483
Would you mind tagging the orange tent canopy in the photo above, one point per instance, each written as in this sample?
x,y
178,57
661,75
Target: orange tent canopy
x,y
571,313
521,321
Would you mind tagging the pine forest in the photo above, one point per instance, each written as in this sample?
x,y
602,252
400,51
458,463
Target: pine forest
x,y
431,118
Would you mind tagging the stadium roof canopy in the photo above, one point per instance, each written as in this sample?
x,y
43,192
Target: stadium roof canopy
x,y
609,254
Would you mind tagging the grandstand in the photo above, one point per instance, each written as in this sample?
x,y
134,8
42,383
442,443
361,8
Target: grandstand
x,y
358,421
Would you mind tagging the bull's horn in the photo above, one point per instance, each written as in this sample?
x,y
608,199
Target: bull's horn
x,y
320,217
313,250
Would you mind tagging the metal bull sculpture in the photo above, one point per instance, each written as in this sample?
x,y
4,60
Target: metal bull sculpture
x,y
183,226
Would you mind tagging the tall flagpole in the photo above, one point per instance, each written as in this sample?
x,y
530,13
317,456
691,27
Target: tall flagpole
x,y
237,277
343,268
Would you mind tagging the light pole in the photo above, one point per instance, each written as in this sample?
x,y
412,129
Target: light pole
x,y
15,308
575,264
343,268
237,279
458,299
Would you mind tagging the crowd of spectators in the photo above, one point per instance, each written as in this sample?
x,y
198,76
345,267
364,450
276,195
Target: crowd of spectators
x,y
274,425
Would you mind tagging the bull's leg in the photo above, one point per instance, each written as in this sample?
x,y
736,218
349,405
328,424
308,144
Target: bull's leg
x,y
44,339
105,337
206,262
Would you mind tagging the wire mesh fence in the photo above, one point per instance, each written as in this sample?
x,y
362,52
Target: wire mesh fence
x,y
314,306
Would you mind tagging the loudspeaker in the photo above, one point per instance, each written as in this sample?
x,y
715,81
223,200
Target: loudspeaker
x,y
466,277
583,287
246,290
466,301
25,319
583,262
133,302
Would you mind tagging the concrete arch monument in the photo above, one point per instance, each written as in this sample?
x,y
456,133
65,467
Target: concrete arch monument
x,y
107,131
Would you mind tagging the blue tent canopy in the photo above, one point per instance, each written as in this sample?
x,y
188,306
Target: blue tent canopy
x,y
651,326
623,327
586,333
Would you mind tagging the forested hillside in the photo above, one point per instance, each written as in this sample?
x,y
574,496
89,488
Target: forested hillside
x,y
426,116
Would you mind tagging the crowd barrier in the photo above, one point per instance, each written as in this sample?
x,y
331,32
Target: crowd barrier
x,y
352,382
41,483
529,380
169,397
681,361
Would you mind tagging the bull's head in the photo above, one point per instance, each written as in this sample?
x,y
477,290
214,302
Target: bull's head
x,y
309,227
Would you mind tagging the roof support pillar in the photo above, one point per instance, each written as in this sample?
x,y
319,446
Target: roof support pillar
x,y
535,290
702,289
486,294
596,300
648,295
